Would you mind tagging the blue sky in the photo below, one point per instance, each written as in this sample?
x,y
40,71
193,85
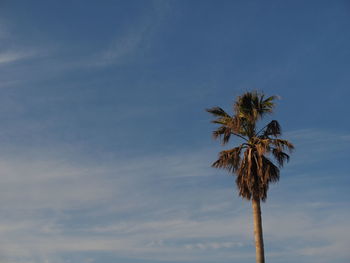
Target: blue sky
x,y
106,148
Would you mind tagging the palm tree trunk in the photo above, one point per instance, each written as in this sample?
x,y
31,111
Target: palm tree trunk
x,y
258,233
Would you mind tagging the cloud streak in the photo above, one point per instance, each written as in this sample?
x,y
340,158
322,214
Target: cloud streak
x,y
14,56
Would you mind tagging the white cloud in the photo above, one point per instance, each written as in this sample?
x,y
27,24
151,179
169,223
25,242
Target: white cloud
x,y
134,208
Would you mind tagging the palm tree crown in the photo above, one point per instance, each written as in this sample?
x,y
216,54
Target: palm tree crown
x,y
251,161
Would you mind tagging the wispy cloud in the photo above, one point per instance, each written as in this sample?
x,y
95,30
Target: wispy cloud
x,y
122,47
314,145
148,212
14,56
133,41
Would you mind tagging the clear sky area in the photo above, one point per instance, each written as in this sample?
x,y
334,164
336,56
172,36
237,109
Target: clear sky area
x,y
106,147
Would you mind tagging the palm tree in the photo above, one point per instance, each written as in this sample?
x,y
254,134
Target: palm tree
x,y
250,161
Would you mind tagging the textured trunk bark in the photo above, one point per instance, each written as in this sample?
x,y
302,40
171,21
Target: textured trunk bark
x,y
258,233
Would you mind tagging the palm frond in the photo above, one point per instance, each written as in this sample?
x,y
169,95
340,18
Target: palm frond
x,y
280,156
229,126
253,106
223,133
268,105
283,144
273,128
229,159
271,171
254,175
262,145
217,111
